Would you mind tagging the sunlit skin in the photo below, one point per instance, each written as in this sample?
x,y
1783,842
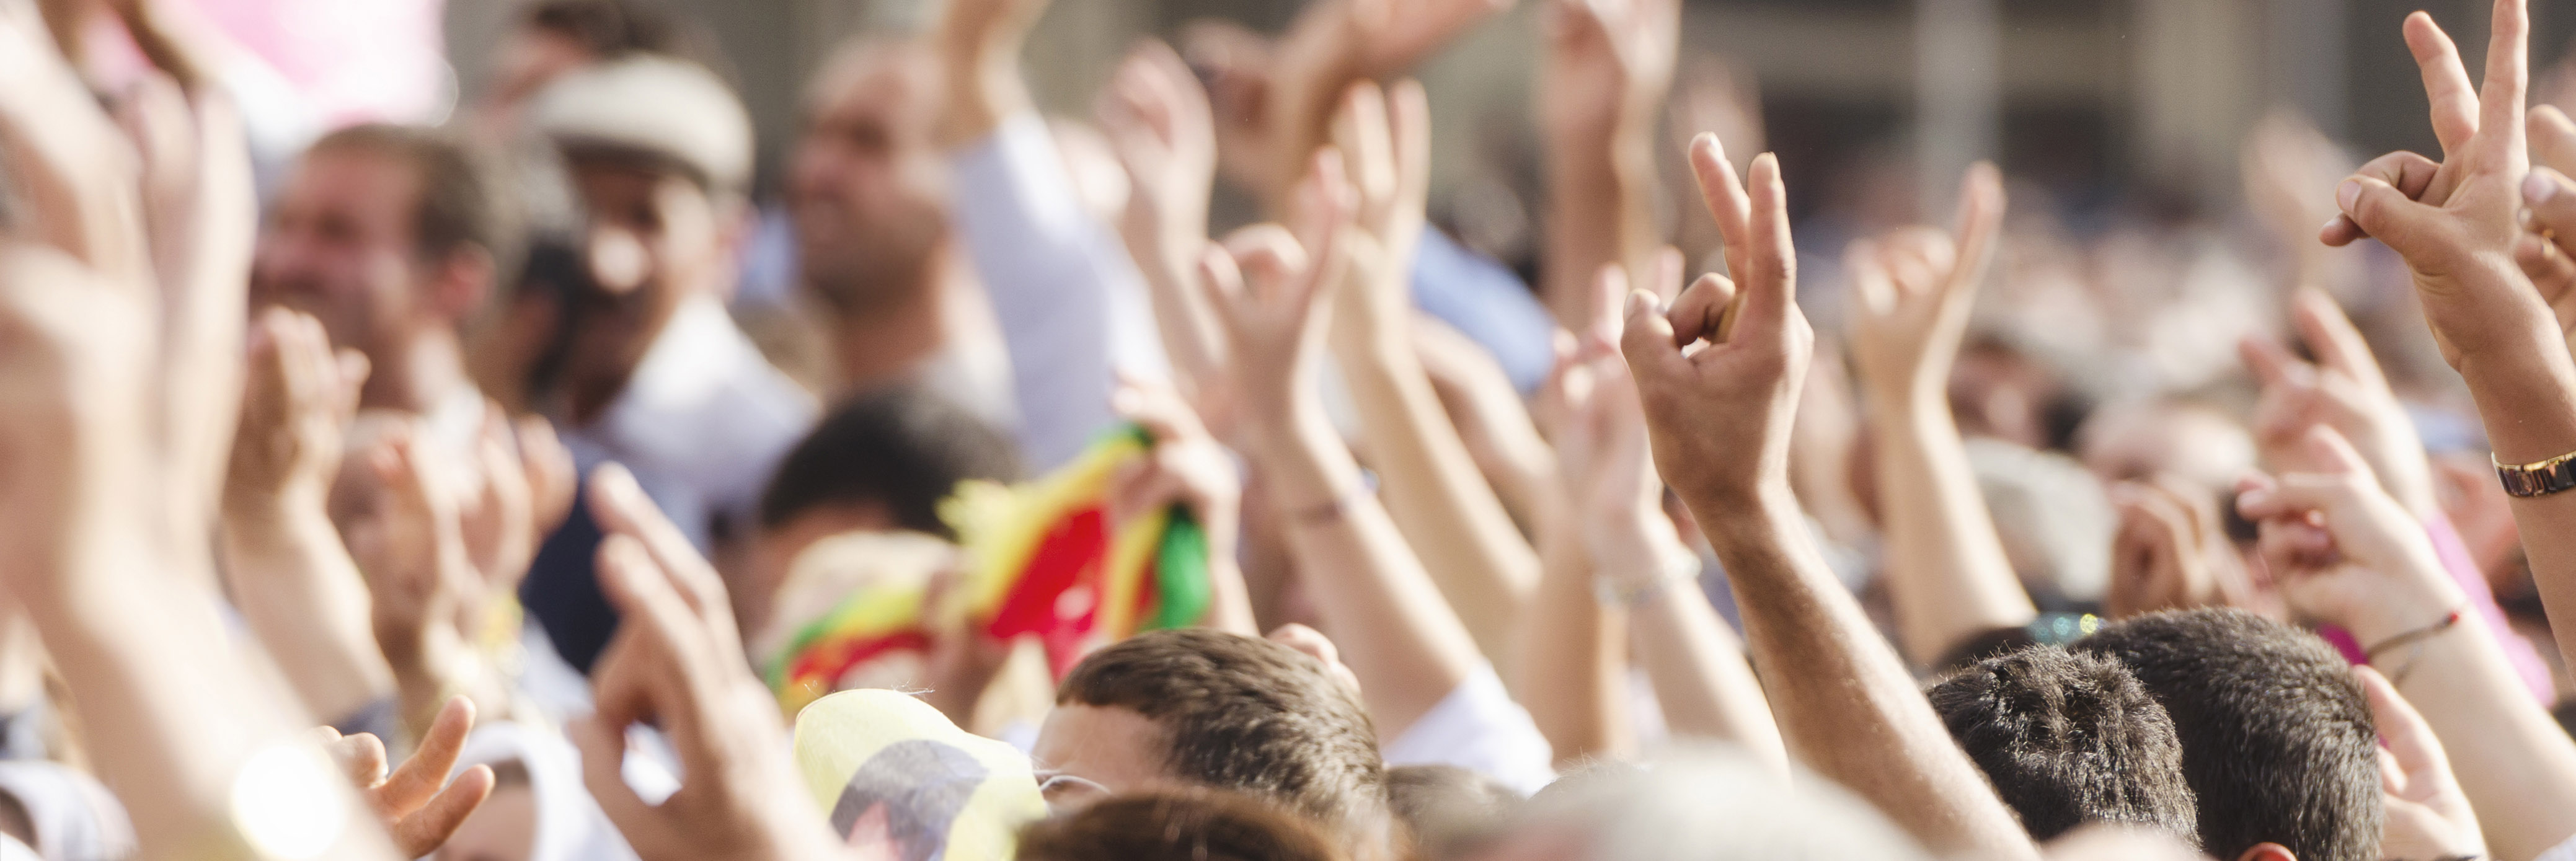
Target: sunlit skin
x,y
1083,750
504,828
868,186
340,245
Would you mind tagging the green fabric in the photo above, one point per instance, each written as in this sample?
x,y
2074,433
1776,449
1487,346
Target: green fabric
x,y
1180,574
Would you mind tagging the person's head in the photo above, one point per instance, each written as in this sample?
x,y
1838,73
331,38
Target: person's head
x,y
1447,810
2139,440
2277,741
659,154
553,37
868,189
383,233
1705,803
1186,824
881,461
1196,707
2069,739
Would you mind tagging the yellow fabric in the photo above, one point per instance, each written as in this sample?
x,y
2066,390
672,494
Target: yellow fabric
x,y
838,734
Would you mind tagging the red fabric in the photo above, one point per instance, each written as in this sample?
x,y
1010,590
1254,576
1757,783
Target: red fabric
x,y
826,663
1070,555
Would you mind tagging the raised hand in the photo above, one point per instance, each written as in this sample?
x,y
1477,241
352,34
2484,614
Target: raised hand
x,y
297,401
527,490
1283,110
119,420
2455,221
2342,550
2550,222
2428,815
284,564
676,662
2170,552
2343,390
979,45
1188,468
1384,137
1720,414
1609,64
1157,119
416,802
1913,290
412,551
1268,288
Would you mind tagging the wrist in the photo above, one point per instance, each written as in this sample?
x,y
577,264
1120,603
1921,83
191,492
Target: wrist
x,y
1736,518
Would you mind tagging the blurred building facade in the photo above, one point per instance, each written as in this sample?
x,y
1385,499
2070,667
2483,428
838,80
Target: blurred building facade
x,y
2090,97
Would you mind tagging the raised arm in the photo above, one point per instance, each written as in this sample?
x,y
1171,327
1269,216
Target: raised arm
x,y
1912,291
1332,44
2347,553
1063,291
1465,539
1156,116
1640,571
293,581
1720,420
2456,224
1396,632
1608,67
91,536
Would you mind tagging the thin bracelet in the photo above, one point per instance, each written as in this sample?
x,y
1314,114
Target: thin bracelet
x,y
1326,513
2418,639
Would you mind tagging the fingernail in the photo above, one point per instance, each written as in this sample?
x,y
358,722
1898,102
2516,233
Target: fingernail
x,y
2537,188
1638,302
2347,193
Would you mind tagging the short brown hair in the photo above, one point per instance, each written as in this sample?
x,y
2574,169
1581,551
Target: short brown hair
x,y
1195,824
1245,714
461,206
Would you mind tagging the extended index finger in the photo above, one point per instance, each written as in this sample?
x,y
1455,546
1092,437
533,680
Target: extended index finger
x,y
1980,220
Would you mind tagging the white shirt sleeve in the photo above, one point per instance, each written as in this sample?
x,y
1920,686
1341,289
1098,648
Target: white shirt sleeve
x,y
2561,852
1479,728
1071,306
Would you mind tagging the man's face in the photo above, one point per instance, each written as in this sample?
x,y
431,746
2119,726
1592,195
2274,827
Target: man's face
x,y
1087,753
654,240
339,245
868,187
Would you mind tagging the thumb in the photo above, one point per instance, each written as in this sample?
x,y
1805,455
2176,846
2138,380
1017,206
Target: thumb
x,y
1646,338
2385,213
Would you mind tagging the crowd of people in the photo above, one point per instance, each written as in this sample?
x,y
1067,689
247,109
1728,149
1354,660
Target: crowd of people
x,y
459,492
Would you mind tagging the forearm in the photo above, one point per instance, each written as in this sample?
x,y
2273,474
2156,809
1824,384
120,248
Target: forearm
x,y
1181,316
1569,671
1698,670
1845,704
1395,631
1476,556
2528,405
303,598
1600,211
2516,765
177,713
1947,573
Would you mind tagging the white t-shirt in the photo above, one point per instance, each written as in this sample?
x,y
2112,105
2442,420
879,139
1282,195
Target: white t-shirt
x,y
1479,728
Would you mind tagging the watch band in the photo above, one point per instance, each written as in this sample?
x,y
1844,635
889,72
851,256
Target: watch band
x,y
2538,479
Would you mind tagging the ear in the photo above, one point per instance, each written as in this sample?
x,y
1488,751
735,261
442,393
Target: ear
x,y
2266,852
459,284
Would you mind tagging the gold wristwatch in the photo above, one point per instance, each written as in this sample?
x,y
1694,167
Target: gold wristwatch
x,y
2538,479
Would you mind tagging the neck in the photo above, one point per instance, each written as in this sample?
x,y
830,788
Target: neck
x,y
883,342
413,377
